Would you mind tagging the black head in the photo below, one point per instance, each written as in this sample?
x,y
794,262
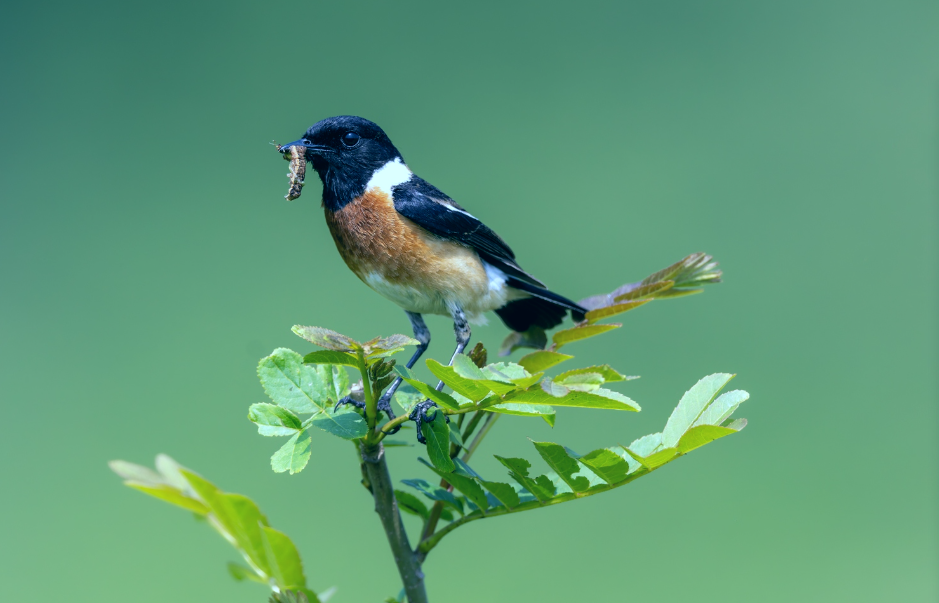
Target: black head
x,y
345,151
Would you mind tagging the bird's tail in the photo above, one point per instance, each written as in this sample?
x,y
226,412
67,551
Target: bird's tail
x,y
545,309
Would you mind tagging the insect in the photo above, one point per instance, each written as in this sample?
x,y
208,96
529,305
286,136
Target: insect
x,y
295,155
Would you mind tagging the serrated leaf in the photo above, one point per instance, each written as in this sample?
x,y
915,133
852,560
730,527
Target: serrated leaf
x,y
327,339
691,406
331,357
344,423
336,381
171,495
273,420
609,465
577,333
604,370
283,558
701,435
435,493
526,410
441,398
599,398
437,434
656,459
411,504
290,383
504,493
583,382
540,487
647,444
565,466
294,455
612,310
469,388
464,483
542,360
721,409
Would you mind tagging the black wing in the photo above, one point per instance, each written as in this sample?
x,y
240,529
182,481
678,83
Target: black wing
x,y
426,206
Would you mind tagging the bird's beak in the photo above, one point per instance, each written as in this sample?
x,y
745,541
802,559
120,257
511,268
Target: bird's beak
x,y
311,149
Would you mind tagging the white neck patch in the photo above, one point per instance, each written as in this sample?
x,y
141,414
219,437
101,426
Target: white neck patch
x,y
391,174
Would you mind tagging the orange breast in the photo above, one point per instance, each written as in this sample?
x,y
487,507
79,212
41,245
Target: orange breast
x,y
403,261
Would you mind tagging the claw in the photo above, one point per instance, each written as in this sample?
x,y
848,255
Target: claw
x,y
418,414
348,400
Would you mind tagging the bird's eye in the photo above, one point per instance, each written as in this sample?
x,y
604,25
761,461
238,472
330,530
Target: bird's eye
x,y
350,139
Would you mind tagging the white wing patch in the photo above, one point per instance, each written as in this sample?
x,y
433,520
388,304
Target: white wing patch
x,y
389,175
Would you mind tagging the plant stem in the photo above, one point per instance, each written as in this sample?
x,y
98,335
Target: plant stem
x,y
386,506
371,405
490,421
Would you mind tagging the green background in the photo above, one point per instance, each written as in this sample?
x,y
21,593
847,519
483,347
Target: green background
x,y
149,260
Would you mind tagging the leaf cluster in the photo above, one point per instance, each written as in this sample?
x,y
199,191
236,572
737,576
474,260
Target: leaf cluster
x,y
269,556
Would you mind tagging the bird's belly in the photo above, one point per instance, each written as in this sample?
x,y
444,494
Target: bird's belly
x,y
418,271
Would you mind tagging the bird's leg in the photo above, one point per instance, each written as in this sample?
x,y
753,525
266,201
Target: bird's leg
x,y
422,334
462,331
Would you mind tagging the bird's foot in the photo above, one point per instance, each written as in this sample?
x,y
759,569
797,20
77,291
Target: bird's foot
x,y
419,415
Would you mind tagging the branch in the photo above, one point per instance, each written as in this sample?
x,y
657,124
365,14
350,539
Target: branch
x,y
387,508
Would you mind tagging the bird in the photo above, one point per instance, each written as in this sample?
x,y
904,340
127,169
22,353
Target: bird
x,y
414,245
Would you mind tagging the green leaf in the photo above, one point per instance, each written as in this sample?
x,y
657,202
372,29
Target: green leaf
x,y
435,493
565,466
273,420
294,455
237,516
283,558
583,382
345,423
469,388
599,398
504,493
456,438
240,573
437,434
604,370
691,406
171,495
440,398
406,397
411,504
644,291
464,483
336,381
577,333
606,463
327,339
701,435
526,410
331,357
720,410
290,383
542,360
540,487
612,310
